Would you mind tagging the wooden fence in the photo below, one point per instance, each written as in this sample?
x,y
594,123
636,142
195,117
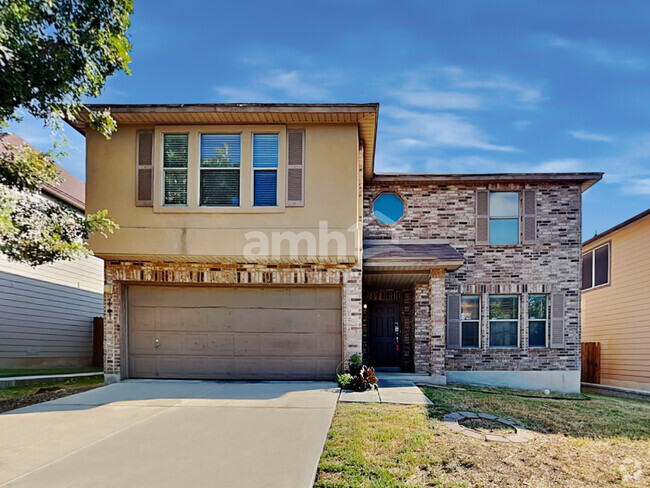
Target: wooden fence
x,y
590,362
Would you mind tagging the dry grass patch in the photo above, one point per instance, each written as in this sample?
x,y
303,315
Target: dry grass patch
x,y
601,442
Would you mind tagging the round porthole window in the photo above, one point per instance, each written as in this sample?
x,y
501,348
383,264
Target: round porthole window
x,y
388,208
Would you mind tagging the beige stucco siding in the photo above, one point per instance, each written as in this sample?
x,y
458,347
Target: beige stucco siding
x,y
331,196
618,315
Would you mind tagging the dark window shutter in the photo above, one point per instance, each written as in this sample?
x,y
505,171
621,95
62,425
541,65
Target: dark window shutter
x,y
295,168
557,319
144,177
453,320
482,217
530,217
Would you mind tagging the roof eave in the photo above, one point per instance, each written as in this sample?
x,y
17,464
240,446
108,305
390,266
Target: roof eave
x,y
585,179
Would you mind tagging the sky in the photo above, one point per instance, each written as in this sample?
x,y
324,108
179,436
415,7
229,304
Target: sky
x,y
466,86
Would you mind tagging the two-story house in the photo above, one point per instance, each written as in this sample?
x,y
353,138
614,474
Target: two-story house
x,y
256,242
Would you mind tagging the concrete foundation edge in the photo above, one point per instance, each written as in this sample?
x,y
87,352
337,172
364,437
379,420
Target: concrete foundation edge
x,y
557,381
111,378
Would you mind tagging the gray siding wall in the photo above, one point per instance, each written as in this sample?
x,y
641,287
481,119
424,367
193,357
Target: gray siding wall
x,y
46,312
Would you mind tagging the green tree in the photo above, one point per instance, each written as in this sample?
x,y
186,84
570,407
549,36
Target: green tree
x,y
53,54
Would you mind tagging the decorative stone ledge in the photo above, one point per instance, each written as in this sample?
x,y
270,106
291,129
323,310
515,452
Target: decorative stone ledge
x,y
452,422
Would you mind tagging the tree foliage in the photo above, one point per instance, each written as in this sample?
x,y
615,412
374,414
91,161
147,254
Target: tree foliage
x,y
53,54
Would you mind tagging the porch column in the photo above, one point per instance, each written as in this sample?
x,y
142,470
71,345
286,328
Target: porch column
x,y
422,336
438,321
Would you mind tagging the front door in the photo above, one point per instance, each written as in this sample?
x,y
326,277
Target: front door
x,y
384,334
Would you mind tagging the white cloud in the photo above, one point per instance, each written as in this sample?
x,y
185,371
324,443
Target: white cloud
x,y
638,187
282,86
293,84
560,166
436,130
590,136
244,95
512,90
597,51
439,100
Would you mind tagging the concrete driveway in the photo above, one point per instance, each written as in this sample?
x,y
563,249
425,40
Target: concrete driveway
x,y
170,434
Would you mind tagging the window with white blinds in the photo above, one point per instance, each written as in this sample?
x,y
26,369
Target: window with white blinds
x,y
175,168
265,170
220,170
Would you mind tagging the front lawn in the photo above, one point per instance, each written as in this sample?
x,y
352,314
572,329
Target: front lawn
x,y
604,441
22,396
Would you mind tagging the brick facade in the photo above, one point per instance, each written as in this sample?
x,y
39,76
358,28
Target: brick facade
x,y
119,274
446,214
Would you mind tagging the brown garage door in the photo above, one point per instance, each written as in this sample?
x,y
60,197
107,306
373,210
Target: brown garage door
x,y
234,333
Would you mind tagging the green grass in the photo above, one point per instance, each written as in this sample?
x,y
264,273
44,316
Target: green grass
x,y
598,416
6,373
603,441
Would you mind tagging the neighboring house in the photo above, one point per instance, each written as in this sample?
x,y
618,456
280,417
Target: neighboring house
x,y
256,242
616,301
46,311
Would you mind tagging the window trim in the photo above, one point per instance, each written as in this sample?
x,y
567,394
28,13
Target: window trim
x,y
592,251
209,168
518,345
245,196
518,218
276,169
372,207
546,320
478,321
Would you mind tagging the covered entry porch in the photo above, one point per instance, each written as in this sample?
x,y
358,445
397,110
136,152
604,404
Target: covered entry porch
x,y
404,325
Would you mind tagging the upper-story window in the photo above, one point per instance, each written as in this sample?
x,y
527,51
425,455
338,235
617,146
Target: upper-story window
x,y
595,267
175,159
265,170
504,218
388,208
220,170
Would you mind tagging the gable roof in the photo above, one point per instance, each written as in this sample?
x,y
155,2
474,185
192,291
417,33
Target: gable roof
x,y
365,115
71,190
620,226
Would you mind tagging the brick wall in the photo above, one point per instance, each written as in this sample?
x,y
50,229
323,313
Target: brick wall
x,y
446,213
119,274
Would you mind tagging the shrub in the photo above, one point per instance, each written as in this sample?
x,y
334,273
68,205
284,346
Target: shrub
x,y
344,380
359,377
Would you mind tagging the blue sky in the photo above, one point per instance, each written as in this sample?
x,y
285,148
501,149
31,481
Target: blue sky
x,y
464,86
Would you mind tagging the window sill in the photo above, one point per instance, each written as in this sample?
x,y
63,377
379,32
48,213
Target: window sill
x,y
598,287
219,210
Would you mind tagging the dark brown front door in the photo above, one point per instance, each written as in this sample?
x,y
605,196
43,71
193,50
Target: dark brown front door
x,y
384,334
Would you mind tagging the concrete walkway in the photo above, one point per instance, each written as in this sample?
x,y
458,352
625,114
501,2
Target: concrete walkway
x,y
170,434
392,389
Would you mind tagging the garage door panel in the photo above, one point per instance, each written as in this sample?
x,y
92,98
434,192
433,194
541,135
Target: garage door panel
x,y
221,344
288,345
328,345
234,333
195,344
